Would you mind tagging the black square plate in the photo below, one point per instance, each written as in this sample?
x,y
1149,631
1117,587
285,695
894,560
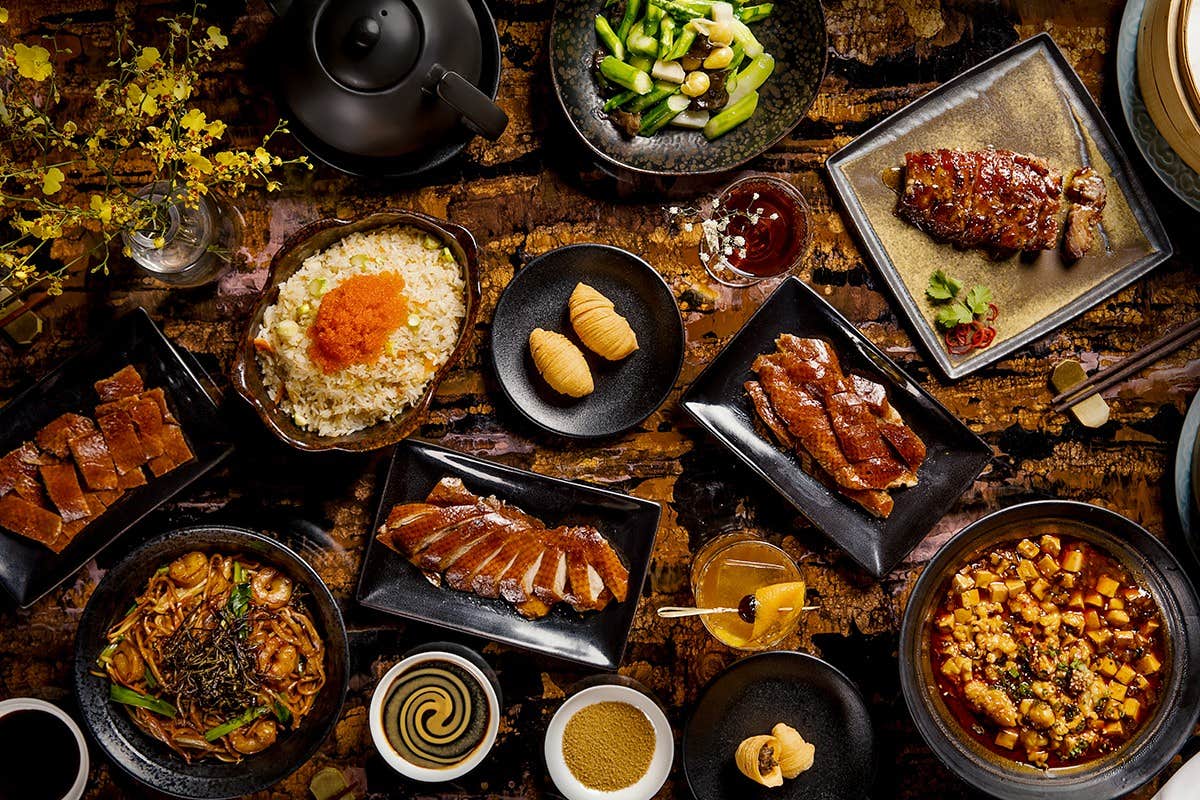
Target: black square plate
x,y
27,569
1026,99
390,583
718,401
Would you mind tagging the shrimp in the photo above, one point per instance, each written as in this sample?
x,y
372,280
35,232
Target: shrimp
x,y
277,660
189,569
255,737
128,664
270,589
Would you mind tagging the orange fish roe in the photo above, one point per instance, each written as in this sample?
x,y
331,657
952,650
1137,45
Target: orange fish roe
x,y
355,319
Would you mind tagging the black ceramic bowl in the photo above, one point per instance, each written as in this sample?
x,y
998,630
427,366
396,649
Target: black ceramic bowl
x,y
152,762
794,34
1160,737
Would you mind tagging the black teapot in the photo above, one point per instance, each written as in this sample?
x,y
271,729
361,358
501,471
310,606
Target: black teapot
x,y
388,88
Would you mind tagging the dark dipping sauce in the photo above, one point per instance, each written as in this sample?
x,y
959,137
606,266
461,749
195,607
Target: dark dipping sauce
x,y
30,742
436,714
1047,651
773,222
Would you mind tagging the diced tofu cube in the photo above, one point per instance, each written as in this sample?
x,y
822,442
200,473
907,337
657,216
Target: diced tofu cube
x,y
998,591
962,582
1107,667
1067,579
1114,728
1050,544
1132,708
1116,602
1149,664
962,615
1091,620
1125,674
945,622
1007,739
1076,600
1047,566
1027,548
1015,586
1072,561
1073,619
1093,599
1117,617
984,578
1027,570
1149,627
950,668
1100,637
1141,682
1125,639
970,598
1025,705
1107,586
1117,690
1039,589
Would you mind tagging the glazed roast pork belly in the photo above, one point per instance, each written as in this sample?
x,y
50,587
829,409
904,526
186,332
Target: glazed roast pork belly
x,y
1000,201
489,548
77,466
844,424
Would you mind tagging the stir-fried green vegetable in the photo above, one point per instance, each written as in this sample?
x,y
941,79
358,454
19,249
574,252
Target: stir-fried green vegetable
x,y
691,63
225,728
129,697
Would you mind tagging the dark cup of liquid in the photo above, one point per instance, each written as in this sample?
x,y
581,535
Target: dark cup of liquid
x,y
758,229
43,755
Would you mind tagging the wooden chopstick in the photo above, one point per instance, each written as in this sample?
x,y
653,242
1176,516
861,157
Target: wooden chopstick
x,y
1114,373
28,305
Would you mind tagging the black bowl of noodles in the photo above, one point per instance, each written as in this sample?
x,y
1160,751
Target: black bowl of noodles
x,y
222,642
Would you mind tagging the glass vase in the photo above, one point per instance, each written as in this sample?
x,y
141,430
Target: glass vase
x,y
190,244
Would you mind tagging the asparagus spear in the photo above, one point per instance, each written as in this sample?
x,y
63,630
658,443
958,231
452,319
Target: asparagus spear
x,y
656,118
666,35
677,10
633,10
743,34
622,74
638,42
733,115
654,18
749,14
683,43
662,91
638,61
608,37
752,77
618,100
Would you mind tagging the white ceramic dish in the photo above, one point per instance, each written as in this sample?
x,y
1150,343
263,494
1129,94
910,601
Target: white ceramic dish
x,y
660,764
414,771
33,704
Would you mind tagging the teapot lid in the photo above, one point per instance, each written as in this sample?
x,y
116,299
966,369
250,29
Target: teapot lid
x,y
363,76
368,45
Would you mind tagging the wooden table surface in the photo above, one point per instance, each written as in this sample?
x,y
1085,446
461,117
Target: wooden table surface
x,y
532,191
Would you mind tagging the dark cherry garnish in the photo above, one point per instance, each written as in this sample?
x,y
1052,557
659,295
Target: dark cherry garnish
x,y
748,608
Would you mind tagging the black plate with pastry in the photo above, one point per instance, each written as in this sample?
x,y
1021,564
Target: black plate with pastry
x,y
836,427
475,546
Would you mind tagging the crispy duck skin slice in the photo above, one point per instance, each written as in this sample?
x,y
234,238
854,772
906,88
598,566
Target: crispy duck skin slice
x,y
19,473
132,479
758,396
31,521
451,546
907,444
806,420
450,491
486,581
94,461
73,529
63,487
533,609
550,583
601,559
874,395
148,419
126,382
122,439
176,451
55,437
516,584
579,591
425,529
460,571
997,200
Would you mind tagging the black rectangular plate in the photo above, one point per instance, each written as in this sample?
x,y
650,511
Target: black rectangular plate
x,y
718,401
27,569
390,583
1053,114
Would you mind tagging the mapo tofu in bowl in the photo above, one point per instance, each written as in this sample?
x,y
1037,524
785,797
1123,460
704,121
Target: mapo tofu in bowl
x,y
1048,651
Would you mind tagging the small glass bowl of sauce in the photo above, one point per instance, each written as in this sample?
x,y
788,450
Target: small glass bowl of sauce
x,y
758,229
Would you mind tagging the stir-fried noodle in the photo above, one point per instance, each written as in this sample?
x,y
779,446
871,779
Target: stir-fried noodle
x,y
216,656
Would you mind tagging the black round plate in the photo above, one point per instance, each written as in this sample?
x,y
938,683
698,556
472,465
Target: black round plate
x,y
147,759
627,391
794,34
1159,739
754,694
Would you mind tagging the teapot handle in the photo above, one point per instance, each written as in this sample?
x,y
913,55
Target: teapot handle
x,y
479,112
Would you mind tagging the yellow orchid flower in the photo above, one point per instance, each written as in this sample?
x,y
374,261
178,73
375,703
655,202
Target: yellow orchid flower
x,y
52,180
147,58
215,36
193,120
32,62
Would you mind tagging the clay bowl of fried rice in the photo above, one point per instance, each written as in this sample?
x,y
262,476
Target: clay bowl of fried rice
x,y
360,321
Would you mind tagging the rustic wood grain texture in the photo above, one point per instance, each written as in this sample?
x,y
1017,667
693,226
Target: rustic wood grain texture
x,y
532,191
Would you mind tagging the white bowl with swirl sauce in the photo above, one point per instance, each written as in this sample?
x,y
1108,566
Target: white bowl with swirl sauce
x,y
422,708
